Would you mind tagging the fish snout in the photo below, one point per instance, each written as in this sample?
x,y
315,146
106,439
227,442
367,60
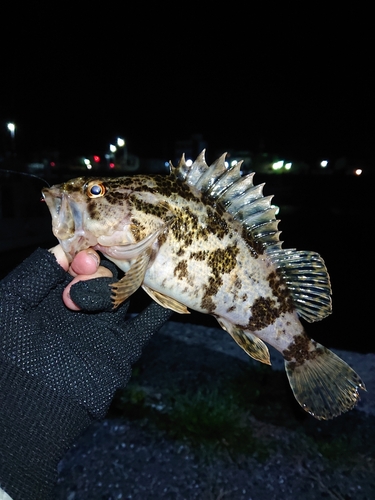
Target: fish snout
x,y
68,217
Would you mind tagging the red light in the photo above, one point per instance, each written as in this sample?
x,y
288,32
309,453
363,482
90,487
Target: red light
x,y
111,165
53,164
96,159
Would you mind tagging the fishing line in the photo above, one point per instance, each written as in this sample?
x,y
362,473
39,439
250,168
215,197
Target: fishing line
x,y
26,174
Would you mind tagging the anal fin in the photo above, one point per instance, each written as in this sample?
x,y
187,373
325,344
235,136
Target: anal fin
x,y
165,301
251,344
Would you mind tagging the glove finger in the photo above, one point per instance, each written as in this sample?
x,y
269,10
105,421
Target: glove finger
x,y
93,295
111,266
34,279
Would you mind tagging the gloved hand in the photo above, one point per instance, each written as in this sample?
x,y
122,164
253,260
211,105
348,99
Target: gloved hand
x,y
59,369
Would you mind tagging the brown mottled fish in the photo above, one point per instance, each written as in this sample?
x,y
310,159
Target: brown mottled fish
x,y
206,238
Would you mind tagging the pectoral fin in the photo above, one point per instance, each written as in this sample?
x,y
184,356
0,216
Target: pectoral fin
x,y
165,301
118,252
251,344
132,280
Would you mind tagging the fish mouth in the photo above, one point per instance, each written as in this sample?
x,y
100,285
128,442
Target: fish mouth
x,y
68,218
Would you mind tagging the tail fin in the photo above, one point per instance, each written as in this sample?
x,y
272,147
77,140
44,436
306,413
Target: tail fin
x,y
324,385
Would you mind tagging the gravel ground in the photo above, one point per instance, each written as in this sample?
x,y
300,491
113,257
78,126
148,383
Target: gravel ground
x,y
131,458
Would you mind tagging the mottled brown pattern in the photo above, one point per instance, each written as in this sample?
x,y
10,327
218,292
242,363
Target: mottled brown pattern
x,y
155,209
185,226
119,183
263,313
92,210
210,290
221,261
213,224
281,292
300,351
180,271
200,255
238,283
162,238
170,186
207,304
115,198
137,230
254,246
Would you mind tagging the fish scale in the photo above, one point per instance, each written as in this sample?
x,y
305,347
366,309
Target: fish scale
x,y
205,238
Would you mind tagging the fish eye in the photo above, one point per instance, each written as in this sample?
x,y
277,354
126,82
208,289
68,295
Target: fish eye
x,y
95,189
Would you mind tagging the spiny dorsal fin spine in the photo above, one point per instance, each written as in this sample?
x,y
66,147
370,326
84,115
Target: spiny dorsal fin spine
x,y
197,171
225,181
267,216
238,188
181,170
246,211
212,174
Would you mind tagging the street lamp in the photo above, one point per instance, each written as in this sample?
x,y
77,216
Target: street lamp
x,y
12,129
122,144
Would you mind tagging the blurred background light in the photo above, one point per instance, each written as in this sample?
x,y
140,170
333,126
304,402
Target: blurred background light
x,y
277,165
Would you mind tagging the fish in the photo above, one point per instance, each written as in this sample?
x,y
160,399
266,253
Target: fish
x,y
205,238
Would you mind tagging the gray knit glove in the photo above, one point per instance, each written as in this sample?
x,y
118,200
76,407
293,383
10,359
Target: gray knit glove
x,y
82,354
59,369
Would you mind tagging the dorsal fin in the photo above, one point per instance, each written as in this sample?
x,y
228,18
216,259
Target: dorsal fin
x,y
303,272
224,184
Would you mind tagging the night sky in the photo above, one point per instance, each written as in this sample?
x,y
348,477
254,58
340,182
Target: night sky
x,y
290,80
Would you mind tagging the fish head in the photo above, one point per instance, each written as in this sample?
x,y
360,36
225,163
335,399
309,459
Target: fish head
x,y
89,212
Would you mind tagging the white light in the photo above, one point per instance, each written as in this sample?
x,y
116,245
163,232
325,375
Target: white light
x,y
112,148
233,163
12,130
288,166
324,163
358,171
120,142
89,166
277,165
226,164
189,163
86,161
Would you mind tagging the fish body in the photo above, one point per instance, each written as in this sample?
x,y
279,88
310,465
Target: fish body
x,y
205,238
